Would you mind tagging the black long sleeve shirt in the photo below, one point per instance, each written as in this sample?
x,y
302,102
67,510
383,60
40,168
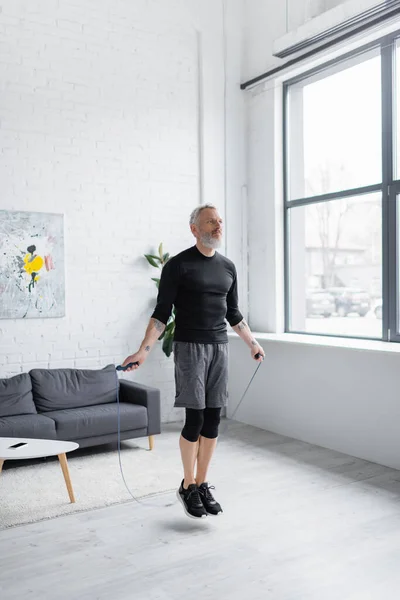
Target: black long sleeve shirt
x,y
204,292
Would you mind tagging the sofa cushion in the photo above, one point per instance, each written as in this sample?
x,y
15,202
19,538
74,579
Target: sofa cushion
x,y
60,389
28,426
89,421
16,396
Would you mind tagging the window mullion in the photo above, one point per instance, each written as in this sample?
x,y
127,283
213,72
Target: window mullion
x,y
389,286
335,195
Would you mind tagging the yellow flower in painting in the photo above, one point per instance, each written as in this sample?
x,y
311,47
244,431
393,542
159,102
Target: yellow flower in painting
x,y
34,265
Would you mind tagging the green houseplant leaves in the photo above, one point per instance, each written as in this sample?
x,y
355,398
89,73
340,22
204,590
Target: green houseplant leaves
x,y
158,262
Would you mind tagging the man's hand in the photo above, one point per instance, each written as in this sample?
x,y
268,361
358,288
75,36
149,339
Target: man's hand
x,y
257,350
139,357
243,330
154,329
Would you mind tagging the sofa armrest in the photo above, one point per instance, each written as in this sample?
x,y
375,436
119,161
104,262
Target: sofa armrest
x,y
136,393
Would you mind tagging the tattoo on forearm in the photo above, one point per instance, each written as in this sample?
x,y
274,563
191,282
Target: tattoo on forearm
x,y
254,343
242,325
147,349
158,325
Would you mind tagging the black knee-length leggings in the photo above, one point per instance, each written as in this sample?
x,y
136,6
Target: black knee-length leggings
x,y
203,422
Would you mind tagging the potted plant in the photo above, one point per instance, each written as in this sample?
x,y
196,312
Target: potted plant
x,y
158,262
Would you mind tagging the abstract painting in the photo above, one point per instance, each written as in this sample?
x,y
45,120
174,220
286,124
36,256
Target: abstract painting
x,y
32,278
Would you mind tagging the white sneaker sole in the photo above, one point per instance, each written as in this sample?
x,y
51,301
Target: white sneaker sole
x,y
184,508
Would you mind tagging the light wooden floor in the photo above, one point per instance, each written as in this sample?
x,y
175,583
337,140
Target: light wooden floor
x,y
300,523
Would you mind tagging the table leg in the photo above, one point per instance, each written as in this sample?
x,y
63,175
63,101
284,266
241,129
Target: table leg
x,y
64,466
1,464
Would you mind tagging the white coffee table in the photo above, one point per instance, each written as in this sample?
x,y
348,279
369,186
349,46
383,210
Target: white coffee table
x,y
33,448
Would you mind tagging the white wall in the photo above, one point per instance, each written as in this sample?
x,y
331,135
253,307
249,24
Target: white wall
x,y
99,121
341,398
299,13
267,20
345,399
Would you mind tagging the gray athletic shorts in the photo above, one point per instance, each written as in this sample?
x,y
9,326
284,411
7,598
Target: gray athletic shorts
x,y
201,375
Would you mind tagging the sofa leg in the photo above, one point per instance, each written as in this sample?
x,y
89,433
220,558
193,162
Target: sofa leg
x,y
151,442
64,467
1,465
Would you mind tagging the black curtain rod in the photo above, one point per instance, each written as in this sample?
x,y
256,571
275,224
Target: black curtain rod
x,y
337,40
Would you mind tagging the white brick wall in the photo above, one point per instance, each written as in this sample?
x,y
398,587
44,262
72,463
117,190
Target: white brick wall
x,y
98,120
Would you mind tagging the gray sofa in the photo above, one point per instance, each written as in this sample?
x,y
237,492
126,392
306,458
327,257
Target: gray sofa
x,y
77,405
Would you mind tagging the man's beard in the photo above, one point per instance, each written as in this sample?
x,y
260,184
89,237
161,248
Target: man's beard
x,y
209,241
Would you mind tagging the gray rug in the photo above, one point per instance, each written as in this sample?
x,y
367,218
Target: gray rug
x,y
36,490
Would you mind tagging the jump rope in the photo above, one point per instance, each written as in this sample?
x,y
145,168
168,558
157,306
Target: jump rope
x,y
224,430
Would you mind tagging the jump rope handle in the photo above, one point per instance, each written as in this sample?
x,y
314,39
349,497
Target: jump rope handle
x,y
128,366
257,356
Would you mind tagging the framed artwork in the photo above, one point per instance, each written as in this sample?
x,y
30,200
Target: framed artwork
x,y
32,270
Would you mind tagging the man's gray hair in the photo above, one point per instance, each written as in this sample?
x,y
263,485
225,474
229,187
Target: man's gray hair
x,y
196,213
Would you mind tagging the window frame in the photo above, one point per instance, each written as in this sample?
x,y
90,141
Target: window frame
x,y
388,187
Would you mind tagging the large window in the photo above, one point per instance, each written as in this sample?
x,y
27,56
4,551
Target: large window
x,y
342,196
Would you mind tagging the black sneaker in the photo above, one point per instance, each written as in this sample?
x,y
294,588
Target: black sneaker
x,y
191,501
210,504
